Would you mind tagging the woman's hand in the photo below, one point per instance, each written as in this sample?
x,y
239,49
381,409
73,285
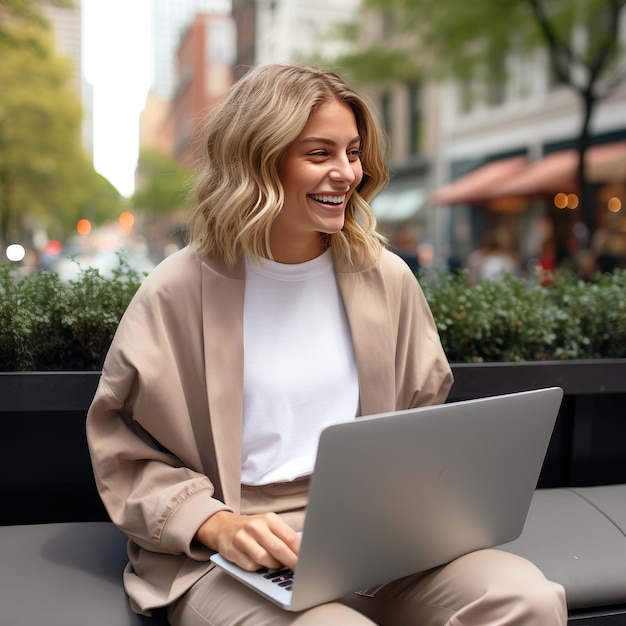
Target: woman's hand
x,y
251,541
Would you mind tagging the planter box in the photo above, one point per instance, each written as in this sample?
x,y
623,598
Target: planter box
x,y
587,445
577,378
45,471
28,392
46,476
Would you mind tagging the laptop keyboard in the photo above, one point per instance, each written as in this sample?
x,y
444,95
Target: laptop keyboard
x,y
282,577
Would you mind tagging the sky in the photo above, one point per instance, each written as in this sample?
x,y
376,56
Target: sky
x,y
117,54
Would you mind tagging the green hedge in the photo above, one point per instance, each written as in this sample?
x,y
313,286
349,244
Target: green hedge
x,y
516,320
47,325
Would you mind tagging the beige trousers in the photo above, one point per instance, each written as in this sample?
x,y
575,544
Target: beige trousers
x,y
484,588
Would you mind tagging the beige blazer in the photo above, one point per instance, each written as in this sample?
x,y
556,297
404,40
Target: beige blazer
x,y
164,428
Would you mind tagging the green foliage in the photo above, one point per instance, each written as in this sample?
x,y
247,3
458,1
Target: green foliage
x,y
165,185
19,13
45,176
47,325
92,196
514,320
476,43
455,37
378,64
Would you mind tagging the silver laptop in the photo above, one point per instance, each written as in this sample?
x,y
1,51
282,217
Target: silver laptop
x,y
399,493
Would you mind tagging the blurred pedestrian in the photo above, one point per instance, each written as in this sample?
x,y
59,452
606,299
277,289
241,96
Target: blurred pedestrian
x,y
493,259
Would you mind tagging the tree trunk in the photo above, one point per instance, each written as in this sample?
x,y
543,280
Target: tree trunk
x,y
5,208
587,190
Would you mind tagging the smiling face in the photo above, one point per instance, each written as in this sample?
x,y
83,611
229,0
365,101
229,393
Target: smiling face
x,y
319,172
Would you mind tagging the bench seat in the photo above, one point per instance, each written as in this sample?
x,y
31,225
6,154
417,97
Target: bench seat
x,y
577,537
65,574
70,574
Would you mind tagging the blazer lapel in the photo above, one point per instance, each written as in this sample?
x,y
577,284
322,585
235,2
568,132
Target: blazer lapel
x,y
366,302
222,317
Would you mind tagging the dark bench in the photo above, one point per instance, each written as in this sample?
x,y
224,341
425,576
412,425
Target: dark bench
x,y
65,574
62,559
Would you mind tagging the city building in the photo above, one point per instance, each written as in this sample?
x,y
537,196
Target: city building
x,y
244,16
509,163
199,73
288,31
67,28
204,74
154,132
452,141
170,19
409,115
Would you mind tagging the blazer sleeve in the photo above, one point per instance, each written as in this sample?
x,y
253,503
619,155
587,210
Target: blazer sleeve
x,y
140,432
423,374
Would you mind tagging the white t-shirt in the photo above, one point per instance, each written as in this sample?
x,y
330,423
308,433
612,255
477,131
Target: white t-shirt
x,y
299,367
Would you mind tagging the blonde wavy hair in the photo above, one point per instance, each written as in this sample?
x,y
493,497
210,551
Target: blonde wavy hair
x,y
238,191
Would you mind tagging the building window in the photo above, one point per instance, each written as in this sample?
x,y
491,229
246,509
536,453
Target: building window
x,y
386,102
221,42
465,90
415,118
387,25
496,83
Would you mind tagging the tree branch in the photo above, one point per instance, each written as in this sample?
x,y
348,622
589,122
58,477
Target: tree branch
x,y
557,48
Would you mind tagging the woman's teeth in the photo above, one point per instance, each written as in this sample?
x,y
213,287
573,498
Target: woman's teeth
x,y
328,199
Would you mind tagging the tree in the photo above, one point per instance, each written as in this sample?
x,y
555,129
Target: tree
x,y
15,14
163,184
39,130
163,196
45,176
459,38
93,197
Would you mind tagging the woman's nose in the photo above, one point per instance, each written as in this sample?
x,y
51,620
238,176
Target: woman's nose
x,y
344,171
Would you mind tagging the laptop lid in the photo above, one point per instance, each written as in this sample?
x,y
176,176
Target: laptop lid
x,y
401,492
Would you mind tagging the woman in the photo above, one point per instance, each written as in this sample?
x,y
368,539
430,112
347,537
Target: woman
x,y
283,315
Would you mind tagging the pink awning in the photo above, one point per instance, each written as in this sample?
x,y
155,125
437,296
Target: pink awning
x,y
607,164
477,185
557,171
515,177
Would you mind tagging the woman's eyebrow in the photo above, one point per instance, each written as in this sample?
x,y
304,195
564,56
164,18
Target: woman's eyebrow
x,y
329,142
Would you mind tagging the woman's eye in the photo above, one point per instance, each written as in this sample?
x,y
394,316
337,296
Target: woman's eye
x,y
353,154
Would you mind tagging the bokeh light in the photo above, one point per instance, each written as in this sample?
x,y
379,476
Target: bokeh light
x,y
614,204
572,201
83,226
15,252
125,222
560,200
53,247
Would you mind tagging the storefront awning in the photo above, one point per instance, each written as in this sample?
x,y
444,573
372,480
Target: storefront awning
x,y
557,171
553,173
607,164
478,185
397,205
517,178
